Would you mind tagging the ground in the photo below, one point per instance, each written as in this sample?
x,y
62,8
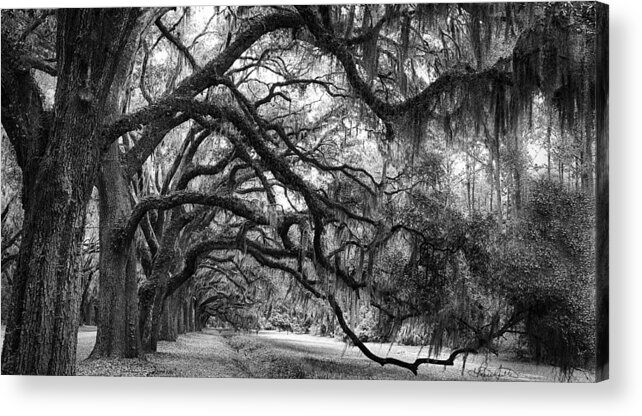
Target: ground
x,y
272,354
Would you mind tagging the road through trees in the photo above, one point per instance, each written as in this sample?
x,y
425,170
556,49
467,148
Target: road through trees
x,y
357,169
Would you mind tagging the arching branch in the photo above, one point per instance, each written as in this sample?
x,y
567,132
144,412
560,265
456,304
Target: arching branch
x,y
384,110
193,171
260,254
235,205
208,76
413,367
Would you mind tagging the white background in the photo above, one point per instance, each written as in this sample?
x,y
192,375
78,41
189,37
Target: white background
x,y
621,395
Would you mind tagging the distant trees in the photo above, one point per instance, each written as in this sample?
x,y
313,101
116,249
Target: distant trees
x,y
341,159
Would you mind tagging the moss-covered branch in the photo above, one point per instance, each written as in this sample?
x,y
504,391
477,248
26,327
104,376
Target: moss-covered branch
x,y
209,75
412,366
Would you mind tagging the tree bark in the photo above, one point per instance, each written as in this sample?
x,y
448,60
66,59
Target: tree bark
x,y
42,328
588,185
118,333
518,170
86,308
153,293
167,322
191,315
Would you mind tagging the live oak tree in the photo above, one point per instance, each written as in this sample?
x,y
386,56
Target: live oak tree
x,y
59,154
297,135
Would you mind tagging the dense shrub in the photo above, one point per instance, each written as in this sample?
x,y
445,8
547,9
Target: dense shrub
x,y
545,268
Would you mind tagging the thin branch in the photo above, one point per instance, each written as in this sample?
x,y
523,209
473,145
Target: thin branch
x,y
35,24
177,42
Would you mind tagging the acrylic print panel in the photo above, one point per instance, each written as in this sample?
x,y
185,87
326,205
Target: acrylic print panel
x,y
400,191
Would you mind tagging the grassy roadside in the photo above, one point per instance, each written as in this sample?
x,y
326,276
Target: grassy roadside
x,y
272,354
278,355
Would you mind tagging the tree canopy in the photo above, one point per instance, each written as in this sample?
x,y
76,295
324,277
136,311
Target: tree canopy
x,y
414,173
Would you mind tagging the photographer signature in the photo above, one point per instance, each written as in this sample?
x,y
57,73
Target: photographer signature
x,y
491,372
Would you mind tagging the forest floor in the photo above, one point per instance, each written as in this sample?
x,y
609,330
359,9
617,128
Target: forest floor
x,y
271,354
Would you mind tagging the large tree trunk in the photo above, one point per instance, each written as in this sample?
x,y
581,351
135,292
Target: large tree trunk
x,y
42,328
86,304
44,311
153,294
167,322
191,327
154,301
118,334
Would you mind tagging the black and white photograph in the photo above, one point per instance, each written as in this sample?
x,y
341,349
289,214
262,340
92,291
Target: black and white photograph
x,y
414,192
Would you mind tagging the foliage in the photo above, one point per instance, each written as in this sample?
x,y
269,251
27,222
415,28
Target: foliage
x,y
545,270
386,156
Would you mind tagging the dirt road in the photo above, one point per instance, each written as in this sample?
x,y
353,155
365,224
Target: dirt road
x,y
271,354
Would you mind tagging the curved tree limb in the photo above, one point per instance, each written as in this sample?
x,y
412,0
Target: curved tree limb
x,y
190,264
165,202
192,171
384,110
23,114
413,367
39,64
44,14
281,171
206,77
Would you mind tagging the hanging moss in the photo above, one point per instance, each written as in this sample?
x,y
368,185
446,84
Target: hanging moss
x,y
370,51
412,129
480,26
555,58
402,55
428,14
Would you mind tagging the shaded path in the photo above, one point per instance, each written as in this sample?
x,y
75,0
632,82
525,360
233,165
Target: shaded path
x,y
271,354
198,354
